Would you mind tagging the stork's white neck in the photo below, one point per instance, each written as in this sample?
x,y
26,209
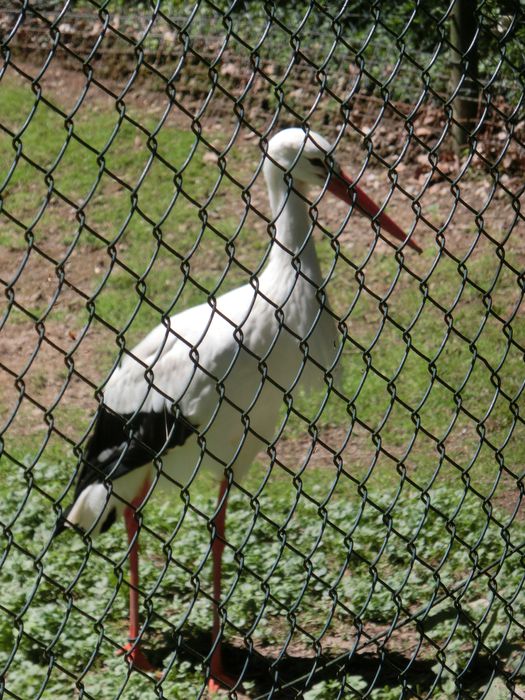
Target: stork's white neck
x,y
293,226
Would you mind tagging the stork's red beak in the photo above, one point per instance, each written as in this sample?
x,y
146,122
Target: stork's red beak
x,y
342,186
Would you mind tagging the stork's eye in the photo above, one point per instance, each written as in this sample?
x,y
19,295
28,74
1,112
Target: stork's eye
x,y
317,163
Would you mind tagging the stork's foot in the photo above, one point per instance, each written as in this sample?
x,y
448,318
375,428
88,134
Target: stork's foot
x,y
225,682
220,680
136,657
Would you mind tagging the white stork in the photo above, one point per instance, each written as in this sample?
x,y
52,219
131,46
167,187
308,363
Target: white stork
x,y
206,391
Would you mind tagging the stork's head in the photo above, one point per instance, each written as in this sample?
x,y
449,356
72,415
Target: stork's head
x,y
303,155
308,158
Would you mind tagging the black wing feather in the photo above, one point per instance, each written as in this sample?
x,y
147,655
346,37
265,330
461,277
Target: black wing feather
x,y
122,443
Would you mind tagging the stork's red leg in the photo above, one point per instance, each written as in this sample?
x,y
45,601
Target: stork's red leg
x,y
132,649
219,678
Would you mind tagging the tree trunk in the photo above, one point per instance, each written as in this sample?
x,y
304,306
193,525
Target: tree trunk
x,y
464,59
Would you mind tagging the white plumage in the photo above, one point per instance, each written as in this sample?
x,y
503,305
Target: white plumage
x,y
224,369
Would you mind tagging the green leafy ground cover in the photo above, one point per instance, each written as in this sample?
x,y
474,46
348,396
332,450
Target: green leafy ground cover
x,y
62,602
318,550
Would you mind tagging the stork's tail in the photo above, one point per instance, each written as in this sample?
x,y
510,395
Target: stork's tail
x,y
116,464
93,511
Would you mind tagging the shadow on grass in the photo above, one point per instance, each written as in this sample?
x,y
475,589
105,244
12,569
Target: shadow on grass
x,y
282,676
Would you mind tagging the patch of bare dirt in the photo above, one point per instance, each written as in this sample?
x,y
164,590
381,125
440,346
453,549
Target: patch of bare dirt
x,y
35,359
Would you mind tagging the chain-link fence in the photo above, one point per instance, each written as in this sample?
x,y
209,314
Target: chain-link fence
x,y
360,404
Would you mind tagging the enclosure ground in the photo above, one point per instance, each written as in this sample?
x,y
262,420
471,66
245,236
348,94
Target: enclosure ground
x,y
467,463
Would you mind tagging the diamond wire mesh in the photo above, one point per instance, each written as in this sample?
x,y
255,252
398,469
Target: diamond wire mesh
x,y
378,549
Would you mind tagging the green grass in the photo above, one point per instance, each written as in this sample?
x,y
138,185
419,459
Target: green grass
x,y
359,545
407,514
98,212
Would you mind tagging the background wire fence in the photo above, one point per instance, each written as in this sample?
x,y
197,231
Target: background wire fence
x,y
376,549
